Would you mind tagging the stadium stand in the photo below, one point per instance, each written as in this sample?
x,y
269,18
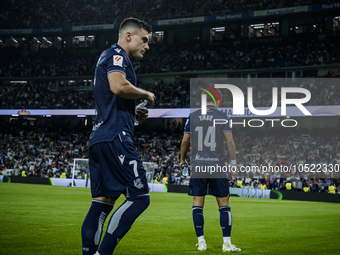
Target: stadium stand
x,y
48,150
49,14
41,95
187,57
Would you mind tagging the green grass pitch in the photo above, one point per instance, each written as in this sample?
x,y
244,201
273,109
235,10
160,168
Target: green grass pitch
x,y
46,220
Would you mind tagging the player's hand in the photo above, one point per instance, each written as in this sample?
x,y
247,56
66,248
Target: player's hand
x,y
181,164
141,114
150,97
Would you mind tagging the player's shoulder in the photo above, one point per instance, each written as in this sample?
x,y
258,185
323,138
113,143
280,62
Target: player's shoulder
x,y
218,113
115,50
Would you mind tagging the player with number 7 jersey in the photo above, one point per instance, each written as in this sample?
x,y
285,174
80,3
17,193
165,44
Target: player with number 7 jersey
x,y
115,165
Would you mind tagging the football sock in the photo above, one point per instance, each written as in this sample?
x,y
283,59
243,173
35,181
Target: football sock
x,y
92,228
121,221
225,222
197,216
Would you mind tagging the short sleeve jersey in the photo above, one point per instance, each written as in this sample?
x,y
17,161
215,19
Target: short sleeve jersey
x,y
114,114
207,140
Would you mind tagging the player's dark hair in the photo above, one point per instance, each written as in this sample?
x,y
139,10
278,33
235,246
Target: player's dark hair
x,y
135,23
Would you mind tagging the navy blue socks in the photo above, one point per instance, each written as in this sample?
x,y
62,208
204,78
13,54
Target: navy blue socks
x,y
225,221
121,221
92,228
197,216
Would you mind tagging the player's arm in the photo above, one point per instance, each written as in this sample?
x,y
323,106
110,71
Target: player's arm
x,y
120,86
231,145
184,148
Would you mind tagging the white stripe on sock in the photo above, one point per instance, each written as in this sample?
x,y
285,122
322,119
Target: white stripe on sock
x,y
117,216
98,234
229,219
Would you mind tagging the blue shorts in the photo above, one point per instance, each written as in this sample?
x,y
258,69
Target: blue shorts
x,y
116,168
218,187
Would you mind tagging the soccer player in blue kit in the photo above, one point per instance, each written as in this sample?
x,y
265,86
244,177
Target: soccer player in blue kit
x,y
115,165
202,129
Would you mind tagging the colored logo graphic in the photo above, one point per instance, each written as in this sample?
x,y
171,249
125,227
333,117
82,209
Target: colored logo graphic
x,y
210,94
24,112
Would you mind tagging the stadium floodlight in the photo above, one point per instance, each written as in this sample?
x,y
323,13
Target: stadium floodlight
x,y
21,82
218,29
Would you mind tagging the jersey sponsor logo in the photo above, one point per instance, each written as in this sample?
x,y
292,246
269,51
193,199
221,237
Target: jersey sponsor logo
x,y
117,60
201,158
121,158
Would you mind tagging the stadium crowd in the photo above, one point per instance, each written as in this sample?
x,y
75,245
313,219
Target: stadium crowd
x,y
50,14
41,152
49,151
187,57
49,62
221,56
43,95
39,96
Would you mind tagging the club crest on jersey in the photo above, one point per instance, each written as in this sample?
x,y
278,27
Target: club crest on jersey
x,y
118,60
138,183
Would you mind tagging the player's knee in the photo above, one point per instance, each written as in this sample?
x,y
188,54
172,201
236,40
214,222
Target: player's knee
x,y
224,209
142,201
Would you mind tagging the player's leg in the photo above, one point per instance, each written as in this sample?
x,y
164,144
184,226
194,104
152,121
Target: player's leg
x,y
101,206
198,219
198,188
121,222
133,176
92,228
220,189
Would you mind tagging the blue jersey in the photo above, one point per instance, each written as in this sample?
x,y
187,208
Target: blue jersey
x,y
114,114
206,140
